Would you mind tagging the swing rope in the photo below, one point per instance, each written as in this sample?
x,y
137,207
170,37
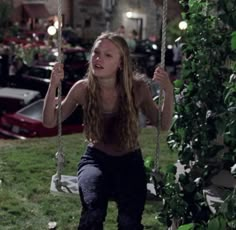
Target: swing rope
x,y
59,154
162,64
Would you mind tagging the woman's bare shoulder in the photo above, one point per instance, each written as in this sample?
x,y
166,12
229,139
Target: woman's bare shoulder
x,y
82,84
79,90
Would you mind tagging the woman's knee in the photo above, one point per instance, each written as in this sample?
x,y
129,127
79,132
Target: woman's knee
x,y
92,188
90,178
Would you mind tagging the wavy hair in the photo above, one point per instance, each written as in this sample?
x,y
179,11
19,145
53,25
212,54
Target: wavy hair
x,y
127,111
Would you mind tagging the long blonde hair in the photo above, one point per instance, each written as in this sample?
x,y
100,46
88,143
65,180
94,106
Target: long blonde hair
x,y
127,111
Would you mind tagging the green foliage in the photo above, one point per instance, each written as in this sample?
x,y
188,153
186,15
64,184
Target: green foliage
x,y
227,212
149,164
233,41
186,227
205,113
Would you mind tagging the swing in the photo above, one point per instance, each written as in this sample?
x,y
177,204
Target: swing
x,y
67,185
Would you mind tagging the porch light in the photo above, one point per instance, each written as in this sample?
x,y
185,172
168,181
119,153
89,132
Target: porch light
x,y
129,14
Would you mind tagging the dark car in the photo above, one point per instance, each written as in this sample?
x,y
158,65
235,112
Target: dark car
x,y
149,55
37,77
27,123
13,99
139,62
71,37
75,60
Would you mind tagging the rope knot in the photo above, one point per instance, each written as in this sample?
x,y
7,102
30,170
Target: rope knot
x,y
60,158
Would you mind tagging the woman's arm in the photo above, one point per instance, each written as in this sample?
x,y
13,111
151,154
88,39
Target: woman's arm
x,y
167,109
149,107
162,78
49,108
68,105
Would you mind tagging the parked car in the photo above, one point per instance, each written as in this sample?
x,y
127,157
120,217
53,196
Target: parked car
x,y
37,77
149,56
27,123
139,62
75,59
13,99
71,37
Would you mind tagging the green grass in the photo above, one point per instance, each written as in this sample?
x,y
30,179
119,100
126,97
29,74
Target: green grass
x,y
26,168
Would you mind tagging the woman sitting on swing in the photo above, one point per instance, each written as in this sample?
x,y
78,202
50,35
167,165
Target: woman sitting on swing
x,y
112,164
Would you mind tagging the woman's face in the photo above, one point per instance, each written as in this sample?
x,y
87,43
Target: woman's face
x,y
105,59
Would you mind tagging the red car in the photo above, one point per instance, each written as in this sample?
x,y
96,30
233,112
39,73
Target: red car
x,y
27,123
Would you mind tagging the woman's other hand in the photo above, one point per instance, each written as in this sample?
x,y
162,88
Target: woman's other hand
x,y
162,78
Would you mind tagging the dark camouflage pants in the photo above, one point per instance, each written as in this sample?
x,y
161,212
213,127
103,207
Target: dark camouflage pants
x,y
101,178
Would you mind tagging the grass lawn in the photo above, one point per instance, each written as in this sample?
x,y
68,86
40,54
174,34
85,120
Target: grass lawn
x,y
26,168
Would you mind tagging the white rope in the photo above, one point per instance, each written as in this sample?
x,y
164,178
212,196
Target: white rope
x,y
163,54
59,154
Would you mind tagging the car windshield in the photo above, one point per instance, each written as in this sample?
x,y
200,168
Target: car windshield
x,y
33,111
50,57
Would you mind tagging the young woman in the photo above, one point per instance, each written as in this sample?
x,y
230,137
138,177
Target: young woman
x,y
112,165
